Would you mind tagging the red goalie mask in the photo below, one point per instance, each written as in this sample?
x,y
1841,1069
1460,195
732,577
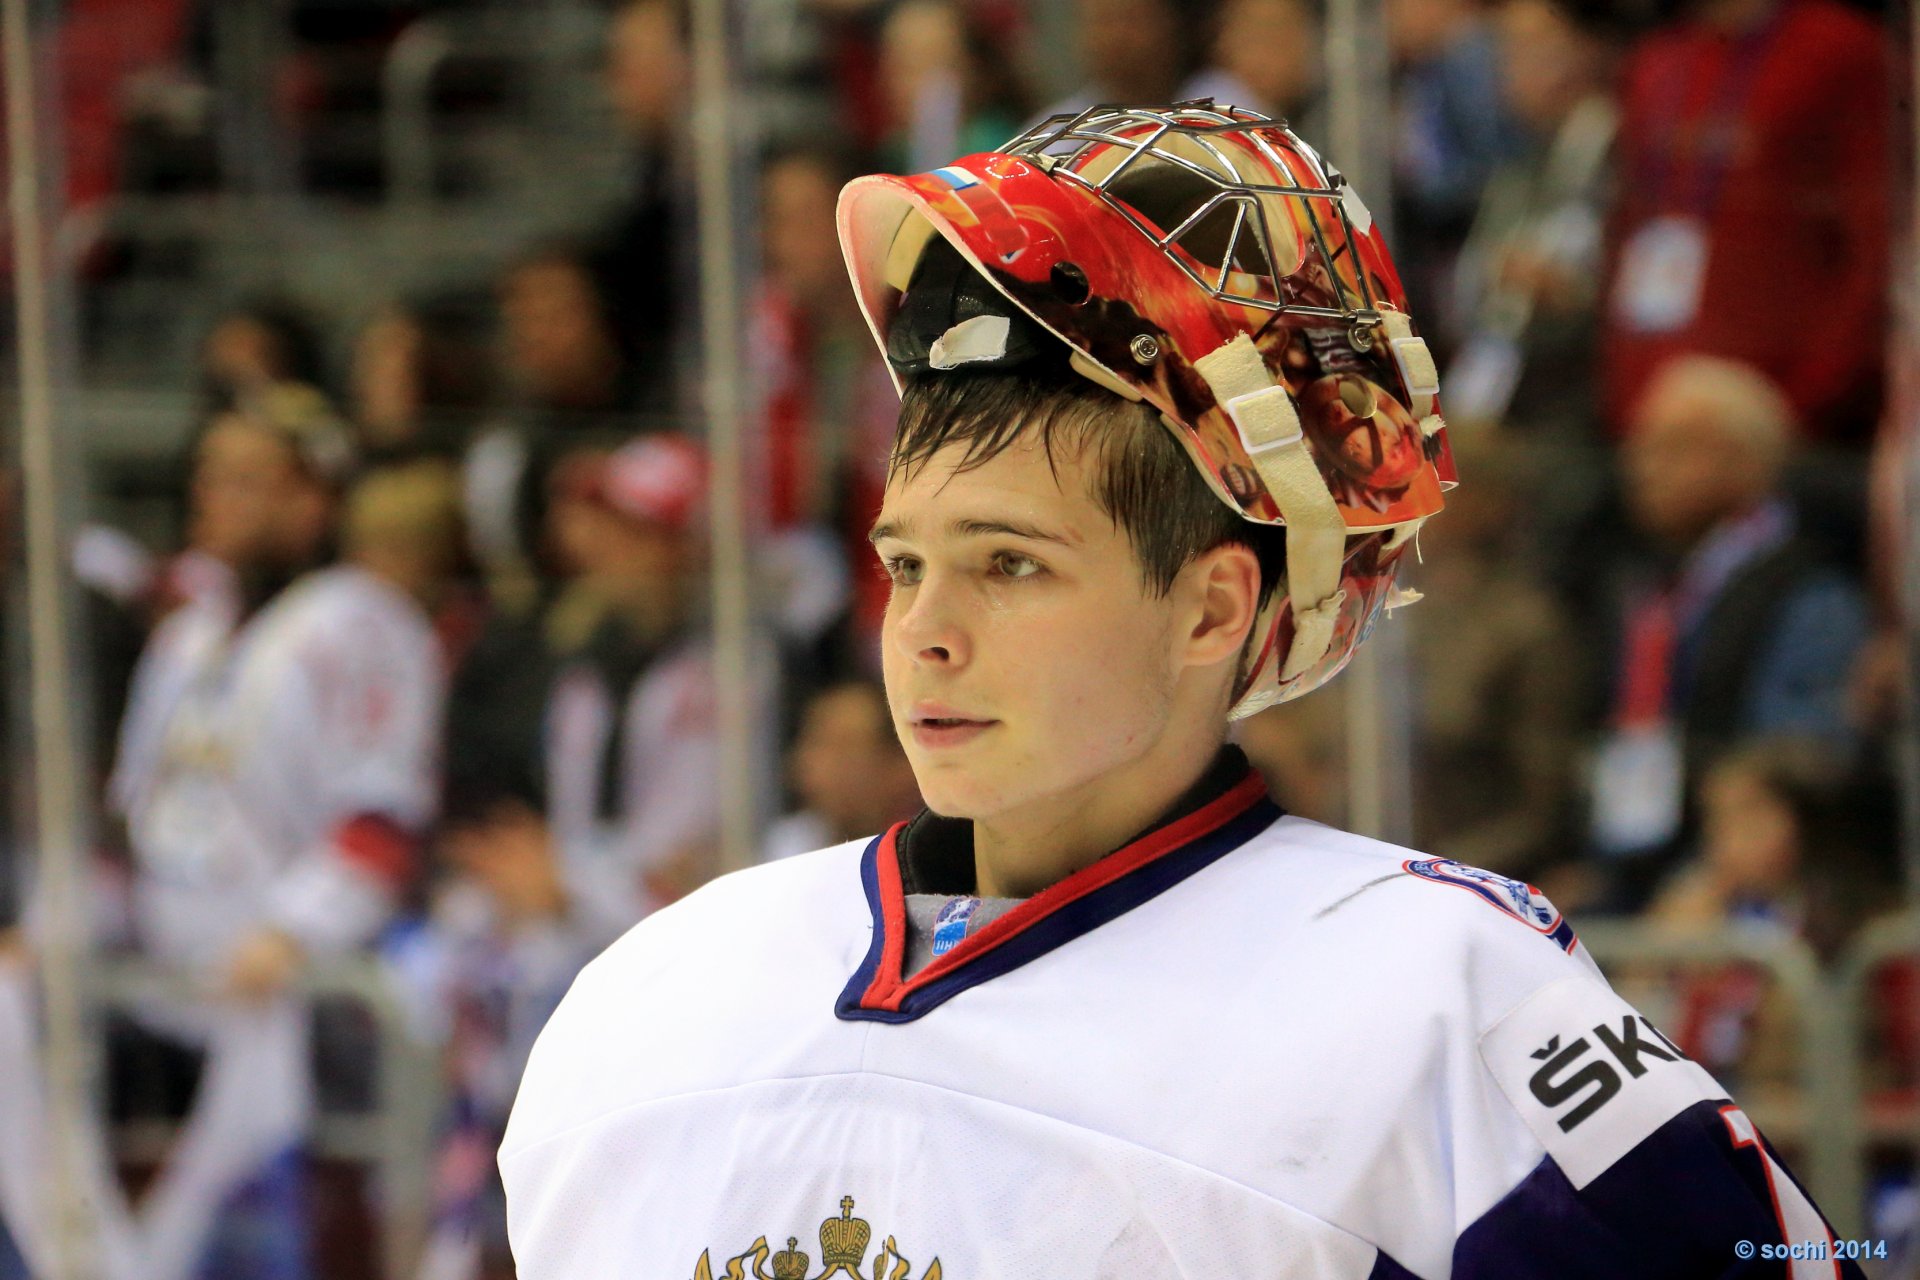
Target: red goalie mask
x,y
1207,261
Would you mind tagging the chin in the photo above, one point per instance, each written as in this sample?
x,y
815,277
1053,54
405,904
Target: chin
x,y
949,801
953,791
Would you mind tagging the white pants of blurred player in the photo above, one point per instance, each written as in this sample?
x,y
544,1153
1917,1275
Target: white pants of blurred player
x,y
240,1143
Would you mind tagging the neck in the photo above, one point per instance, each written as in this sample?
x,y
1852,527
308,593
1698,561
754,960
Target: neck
x,y
1018,854
651,609
257,585
1685,544
594,386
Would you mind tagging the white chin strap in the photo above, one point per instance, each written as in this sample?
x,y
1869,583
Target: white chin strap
x,y
1269,427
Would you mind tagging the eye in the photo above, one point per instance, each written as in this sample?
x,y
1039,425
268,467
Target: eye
x,y
1012,565
902,571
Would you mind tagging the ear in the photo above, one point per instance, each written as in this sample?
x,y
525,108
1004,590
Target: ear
x,y
1221,596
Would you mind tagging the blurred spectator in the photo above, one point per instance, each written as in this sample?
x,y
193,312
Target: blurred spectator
x,y
632,792
648,251
254,346
949,92
1267,56
561,355
1753,219
592,731
1727,623
1452,132
417,380
112,55
627,818
830,407
1790,842
275,769
1525,282
1134,51
567,384
1500,712
848,771
403,524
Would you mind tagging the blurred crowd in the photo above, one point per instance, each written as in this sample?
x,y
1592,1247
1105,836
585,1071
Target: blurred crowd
x,y
425,670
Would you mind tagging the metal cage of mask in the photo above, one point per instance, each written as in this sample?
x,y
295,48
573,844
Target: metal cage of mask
x,y
1066,145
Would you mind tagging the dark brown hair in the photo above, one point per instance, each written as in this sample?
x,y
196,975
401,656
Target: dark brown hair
x,y
1143,480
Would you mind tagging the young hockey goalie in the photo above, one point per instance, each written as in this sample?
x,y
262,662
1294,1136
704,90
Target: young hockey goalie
x,y
1102,1009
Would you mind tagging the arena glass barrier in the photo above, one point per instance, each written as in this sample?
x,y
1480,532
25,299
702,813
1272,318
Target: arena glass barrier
x,y
1827,1122
396,1139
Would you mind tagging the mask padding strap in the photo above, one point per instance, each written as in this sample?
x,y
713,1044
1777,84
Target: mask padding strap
x,y
1263,413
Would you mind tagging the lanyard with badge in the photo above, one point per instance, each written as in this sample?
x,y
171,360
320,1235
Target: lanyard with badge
x,y
1663,264
1639,773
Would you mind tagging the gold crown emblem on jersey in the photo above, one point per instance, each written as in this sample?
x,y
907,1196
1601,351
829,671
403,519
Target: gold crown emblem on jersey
x,y
843,1248
844,1240
789,1263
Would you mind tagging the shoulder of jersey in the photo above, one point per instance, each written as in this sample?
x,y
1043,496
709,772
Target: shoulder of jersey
x,y
720,969
346,600
1401,893
193,623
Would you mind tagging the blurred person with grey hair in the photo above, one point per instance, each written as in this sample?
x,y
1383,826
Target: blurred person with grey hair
x,y
1728,622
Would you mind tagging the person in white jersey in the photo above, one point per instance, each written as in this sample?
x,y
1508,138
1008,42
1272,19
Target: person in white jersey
x,y
276,770
1102,1009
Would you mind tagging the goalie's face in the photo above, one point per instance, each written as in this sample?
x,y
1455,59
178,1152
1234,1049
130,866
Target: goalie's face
x,y
1024,662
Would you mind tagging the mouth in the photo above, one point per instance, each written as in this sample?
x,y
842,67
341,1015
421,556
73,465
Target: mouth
x,y
948,731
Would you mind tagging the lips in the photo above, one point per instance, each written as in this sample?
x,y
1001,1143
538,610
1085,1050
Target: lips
x,y
936,724
941,733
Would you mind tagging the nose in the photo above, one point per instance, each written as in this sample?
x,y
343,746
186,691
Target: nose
x,y
930,627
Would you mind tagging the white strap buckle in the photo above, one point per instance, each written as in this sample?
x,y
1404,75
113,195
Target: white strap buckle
x,y
1265,420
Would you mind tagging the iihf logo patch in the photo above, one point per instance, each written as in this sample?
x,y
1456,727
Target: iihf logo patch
x,y
950,928
1515,897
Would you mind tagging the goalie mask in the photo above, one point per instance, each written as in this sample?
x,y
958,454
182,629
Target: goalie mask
x,y
1207,261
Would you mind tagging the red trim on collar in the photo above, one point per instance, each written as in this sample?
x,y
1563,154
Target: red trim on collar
x,y
893,909
887,990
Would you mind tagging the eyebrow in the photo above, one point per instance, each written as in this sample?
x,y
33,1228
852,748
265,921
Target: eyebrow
x,y
966,527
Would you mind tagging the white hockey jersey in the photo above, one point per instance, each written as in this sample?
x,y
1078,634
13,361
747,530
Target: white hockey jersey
x,y
246,748
1243,1045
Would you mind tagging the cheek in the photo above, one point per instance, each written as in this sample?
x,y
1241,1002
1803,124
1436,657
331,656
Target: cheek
x,y
1096,687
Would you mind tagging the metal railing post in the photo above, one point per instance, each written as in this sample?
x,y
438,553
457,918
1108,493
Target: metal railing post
x,y
406,111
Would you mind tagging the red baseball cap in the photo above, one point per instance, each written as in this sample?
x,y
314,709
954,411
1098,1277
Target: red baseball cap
x,y
659,480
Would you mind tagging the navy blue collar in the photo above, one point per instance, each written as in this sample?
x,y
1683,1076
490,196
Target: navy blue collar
x,y
1227,808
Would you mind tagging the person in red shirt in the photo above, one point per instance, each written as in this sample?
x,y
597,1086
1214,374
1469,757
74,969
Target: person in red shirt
x,y
1753,214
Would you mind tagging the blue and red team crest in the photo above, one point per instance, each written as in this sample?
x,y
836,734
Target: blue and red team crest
x,y
1515,897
